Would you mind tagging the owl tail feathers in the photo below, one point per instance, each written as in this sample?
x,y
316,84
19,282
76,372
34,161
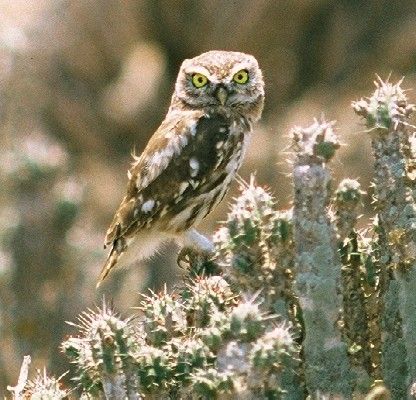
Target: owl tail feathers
x,y
119,246
129,250
108,266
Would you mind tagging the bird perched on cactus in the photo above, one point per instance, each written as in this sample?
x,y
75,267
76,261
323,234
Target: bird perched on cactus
x,y
190,161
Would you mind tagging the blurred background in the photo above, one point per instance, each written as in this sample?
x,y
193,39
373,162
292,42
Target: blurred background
x,y
83,83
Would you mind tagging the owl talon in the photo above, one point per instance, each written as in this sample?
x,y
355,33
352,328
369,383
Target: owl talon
x,y
184,259
197,261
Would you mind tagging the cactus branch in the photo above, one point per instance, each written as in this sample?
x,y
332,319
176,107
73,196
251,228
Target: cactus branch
x,y
318,266
387,114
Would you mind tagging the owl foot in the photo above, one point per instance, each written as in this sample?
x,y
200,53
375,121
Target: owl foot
x,y
197,261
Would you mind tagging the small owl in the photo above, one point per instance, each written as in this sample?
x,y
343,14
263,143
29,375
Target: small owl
x,y
190,161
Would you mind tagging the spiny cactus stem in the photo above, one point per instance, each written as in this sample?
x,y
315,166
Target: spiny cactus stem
x,y
346,204
354,322
131,381
387,113
355,318
114,386
318,266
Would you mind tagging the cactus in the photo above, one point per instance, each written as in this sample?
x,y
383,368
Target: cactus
x,y
172,349
356,288
317,262
255,248
103,355
42,387
387,113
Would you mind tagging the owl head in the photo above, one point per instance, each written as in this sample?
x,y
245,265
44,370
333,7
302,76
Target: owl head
x,y
220,80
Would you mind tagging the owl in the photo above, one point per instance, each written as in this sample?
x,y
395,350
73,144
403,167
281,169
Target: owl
x,y
190,161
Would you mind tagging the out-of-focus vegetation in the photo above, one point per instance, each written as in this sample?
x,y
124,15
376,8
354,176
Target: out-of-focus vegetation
x,y
83,83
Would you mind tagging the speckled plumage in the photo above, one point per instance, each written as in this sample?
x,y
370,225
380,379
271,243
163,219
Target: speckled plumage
x,y
188,164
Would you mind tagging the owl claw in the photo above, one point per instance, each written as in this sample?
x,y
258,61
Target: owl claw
x,y
197,252
184,257
197,261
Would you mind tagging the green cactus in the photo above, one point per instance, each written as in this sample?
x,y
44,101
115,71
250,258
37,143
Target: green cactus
x,y
44,387
104,353
355,289
171,349
255,249
317,263
387,114
212,384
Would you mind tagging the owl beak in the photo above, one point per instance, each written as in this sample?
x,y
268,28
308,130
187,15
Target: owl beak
x,y
221,94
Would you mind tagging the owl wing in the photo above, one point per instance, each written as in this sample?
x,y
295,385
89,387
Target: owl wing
x,y
166,143
184,159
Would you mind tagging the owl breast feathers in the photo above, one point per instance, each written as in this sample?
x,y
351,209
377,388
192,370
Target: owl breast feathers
x,y
188,164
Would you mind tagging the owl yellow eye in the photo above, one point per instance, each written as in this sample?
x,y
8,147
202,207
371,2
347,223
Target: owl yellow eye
x,y
241,76
199,80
